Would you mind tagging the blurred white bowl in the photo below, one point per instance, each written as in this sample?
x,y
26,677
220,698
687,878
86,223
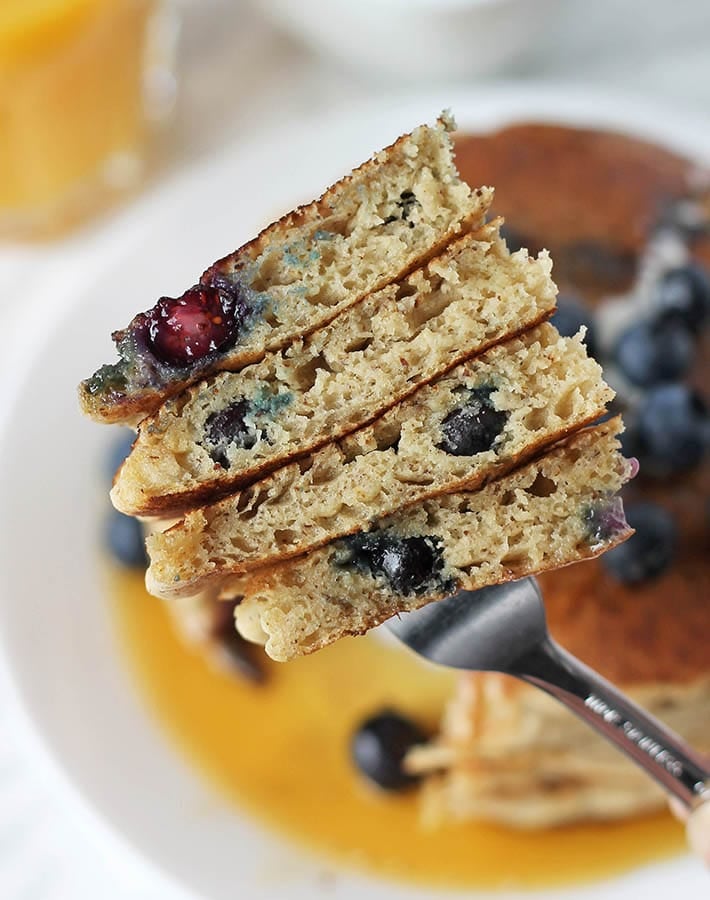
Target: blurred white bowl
x,y
416,40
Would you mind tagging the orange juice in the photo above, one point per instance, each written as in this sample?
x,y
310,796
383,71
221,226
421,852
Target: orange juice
x,y
72,115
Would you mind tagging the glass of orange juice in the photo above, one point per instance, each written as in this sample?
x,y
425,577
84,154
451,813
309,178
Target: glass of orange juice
x,y
81,84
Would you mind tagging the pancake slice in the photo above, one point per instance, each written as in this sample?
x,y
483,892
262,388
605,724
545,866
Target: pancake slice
x,y
229,430
555,510
368,230
484,418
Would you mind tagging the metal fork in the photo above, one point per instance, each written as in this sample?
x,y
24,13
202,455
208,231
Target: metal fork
x,y
503,629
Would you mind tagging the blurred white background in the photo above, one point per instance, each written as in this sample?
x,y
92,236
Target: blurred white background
x,y
253,74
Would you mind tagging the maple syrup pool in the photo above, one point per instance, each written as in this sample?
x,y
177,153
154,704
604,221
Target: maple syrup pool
x,y
280,751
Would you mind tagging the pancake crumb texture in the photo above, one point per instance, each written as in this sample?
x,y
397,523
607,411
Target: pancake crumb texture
x,y
540,386
231,429
368,230
553,511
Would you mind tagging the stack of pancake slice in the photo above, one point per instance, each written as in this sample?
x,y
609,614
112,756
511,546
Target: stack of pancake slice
x,y
362,411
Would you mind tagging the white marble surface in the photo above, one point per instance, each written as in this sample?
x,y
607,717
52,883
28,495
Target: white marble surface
x,y
240,76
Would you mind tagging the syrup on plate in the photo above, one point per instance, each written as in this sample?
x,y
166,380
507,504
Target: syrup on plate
x,y
280,750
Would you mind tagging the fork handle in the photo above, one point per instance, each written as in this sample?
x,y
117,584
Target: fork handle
x,y
657,749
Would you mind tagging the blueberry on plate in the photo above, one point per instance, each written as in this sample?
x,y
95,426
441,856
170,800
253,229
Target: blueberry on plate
x,y
654,352
124,540
379,746
684,294
118,451
648,552
569,317
671,430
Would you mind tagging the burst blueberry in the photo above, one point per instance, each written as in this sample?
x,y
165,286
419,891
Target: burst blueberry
x,y
205,319
648,552
379,746
605,519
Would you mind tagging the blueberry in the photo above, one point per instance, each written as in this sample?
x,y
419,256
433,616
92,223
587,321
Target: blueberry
x,y
671,430
118,451
227,427
379,746
474,427
124,539
648,552
407,565
569,317
684,294
205,319
653,352
410,565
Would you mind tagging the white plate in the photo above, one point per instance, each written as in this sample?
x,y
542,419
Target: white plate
x,y
69,679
